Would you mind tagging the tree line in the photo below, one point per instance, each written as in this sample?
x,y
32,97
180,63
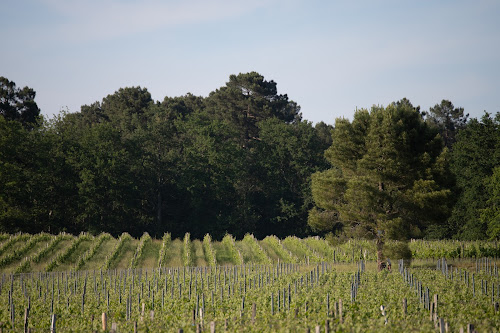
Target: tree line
x,y
242,160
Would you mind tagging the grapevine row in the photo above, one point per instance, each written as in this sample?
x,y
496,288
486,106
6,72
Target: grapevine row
x,y
138,251
92,251
164,245
18,254
60,258
209,251
116,251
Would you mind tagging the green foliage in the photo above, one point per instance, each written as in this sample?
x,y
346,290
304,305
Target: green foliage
x,y
138,251
19,237
284,254
422,249
116,251
186,253
474,157
61,257
209,251
461,297
399,250
18,104
247,99
14,178
287,297
249,250
164,245
93,250
50,246
448,120
18,254
388,179
300,249
257,250
286,155
230,246
321,247
491,214
129,163
103,174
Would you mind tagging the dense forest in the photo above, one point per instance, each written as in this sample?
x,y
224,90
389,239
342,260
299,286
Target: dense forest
x,y
242,160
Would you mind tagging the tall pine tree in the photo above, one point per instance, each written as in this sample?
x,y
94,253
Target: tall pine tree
x,y
388,178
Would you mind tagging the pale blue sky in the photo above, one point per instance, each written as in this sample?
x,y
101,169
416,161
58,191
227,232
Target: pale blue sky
x,y
328,56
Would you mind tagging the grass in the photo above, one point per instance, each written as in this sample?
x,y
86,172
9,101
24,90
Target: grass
x,y
198,254
73,258
48,258
125,255
320,247
247,252
173,255
150,254
290,249
223,254
291,245
275,256
12,267
17,243
100,256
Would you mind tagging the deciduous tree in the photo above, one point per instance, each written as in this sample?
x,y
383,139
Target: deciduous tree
x,y
475,154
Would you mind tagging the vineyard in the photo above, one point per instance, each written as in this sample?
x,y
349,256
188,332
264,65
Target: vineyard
x,y
100,283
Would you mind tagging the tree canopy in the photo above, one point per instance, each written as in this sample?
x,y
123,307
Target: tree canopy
x,y
18,104
236,161
387,178
475,156
242,160
448,120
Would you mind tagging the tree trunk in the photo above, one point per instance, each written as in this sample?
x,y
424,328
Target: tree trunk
x,y
159,210
380,258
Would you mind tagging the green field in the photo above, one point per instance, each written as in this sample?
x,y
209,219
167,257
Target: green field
x,y
22,253
290,285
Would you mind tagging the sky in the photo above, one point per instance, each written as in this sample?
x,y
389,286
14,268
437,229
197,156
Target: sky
x,y
330,57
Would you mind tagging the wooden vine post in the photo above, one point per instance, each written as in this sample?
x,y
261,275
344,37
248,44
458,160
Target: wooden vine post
x,y
104,321
340,311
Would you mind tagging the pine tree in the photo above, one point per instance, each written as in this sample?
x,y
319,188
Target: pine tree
x,y
388,179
